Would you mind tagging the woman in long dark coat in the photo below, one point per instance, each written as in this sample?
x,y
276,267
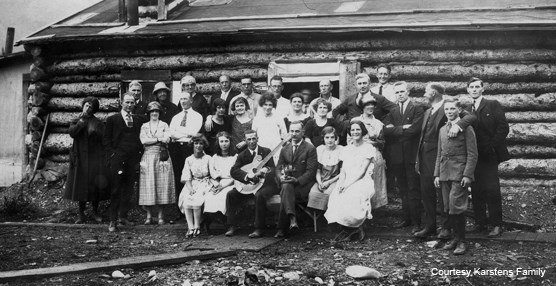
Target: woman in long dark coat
x,y
87,177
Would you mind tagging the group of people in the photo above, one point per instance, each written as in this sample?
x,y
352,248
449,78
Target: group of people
x,y
216,151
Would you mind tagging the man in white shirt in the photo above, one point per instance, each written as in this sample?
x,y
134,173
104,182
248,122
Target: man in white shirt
x,y
283,106
384,87
183,127
325,87
247,93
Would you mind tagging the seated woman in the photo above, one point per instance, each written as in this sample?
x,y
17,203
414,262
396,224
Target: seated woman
x,y
350,202
219,120
315,126
329,164
156,185
196,176
220,166
375,137
296,114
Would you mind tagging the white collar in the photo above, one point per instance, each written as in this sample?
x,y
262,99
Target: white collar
x,y
437,106
477,101
455,121
124,114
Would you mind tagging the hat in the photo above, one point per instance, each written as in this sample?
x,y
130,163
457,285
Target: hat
x,y
160,85
153,106
366,100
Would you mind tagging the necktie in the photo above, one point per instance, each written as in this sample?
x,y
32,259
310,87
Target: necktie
x,y
129,120
401,108
294,149
449,125
473,107
184,120
380,90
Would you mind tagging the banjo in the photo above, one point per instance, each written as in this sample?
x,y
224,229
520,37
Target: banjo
x,y
254,167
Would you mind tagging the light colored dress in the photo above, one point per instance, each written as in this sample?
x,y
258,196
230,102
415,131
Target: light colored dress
x,y
376,138
353,206
270,130
197,171
220,168
156,180
329,162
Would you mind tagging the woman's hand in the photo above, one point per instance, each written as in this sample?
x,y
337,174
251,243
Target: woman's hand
x,y
240,145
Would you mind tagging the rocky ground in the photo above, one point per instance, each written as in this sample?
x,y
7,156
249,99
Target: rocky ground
x,y
304,259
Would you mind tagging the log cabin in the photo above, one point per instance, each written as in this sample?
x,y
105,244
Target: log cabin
x,y
510,44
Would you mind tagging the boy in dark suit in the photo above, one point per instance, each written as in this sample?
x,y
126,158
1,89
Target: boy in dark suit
x,y
491,128
453,173
296,171
123,148
235,198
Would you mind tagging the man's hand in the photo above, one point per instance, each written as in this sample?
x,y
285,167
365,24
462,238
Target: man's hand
x,y
436,182
389,126
406,126
240,144
288,179
208,123
454,130
466,182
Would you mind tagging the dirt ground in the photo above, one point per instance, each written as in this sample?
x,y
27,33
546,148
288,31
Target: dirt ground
x,y
304,257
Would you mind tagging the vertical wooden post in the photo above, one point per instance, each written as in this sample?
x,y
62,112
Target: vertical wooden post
x,y
122,13
132,7
24,109
9,41
162,10
348,71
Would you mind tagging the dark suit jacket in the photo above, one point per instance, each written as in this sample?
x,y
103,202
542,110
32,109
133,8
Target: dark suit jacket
x,y
244,158
456,157
351,109
231,95
426,153
401,145
304,164
115,124
491,129
200,104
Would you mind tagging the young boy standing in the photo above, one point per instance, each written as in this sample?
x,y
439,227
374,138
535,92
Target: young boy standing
x,y
453,173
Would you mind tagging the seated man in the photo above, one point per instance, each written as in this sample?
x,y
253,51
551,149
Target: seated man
x,y
296,172
234,199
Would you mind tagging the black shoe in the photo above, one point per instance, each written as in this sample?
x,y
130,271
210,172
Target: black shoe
x,y
496,232
231,231
424,233
445,234
402,224
280,234
125,221
451,245
257,233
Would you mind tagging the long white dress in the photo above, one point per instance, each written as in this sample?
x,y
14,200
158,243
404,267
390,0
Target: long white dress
x,y
353,206
197,171
219,168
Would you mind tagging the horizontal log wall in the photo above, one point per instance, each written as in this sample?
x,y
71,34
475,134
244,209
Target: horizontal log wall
x,y
519,69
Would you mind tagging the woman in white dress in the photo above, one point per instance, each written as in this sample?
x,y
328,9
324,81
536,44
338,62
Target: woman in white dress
x,y
156,185
375,137
196,176
269,126
350,202
220,166
329,164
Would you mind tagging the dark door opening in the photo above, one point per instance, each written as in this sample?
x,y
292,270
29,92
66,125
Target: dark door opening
x,y
293,87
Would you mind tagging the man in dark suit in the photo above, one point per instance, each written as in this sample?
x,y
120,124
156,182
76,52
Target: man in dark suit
x,y
433,120
199,102
491,128
140,107
350,107
296,172
401,131
453,173
123,148
226,91
234,198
